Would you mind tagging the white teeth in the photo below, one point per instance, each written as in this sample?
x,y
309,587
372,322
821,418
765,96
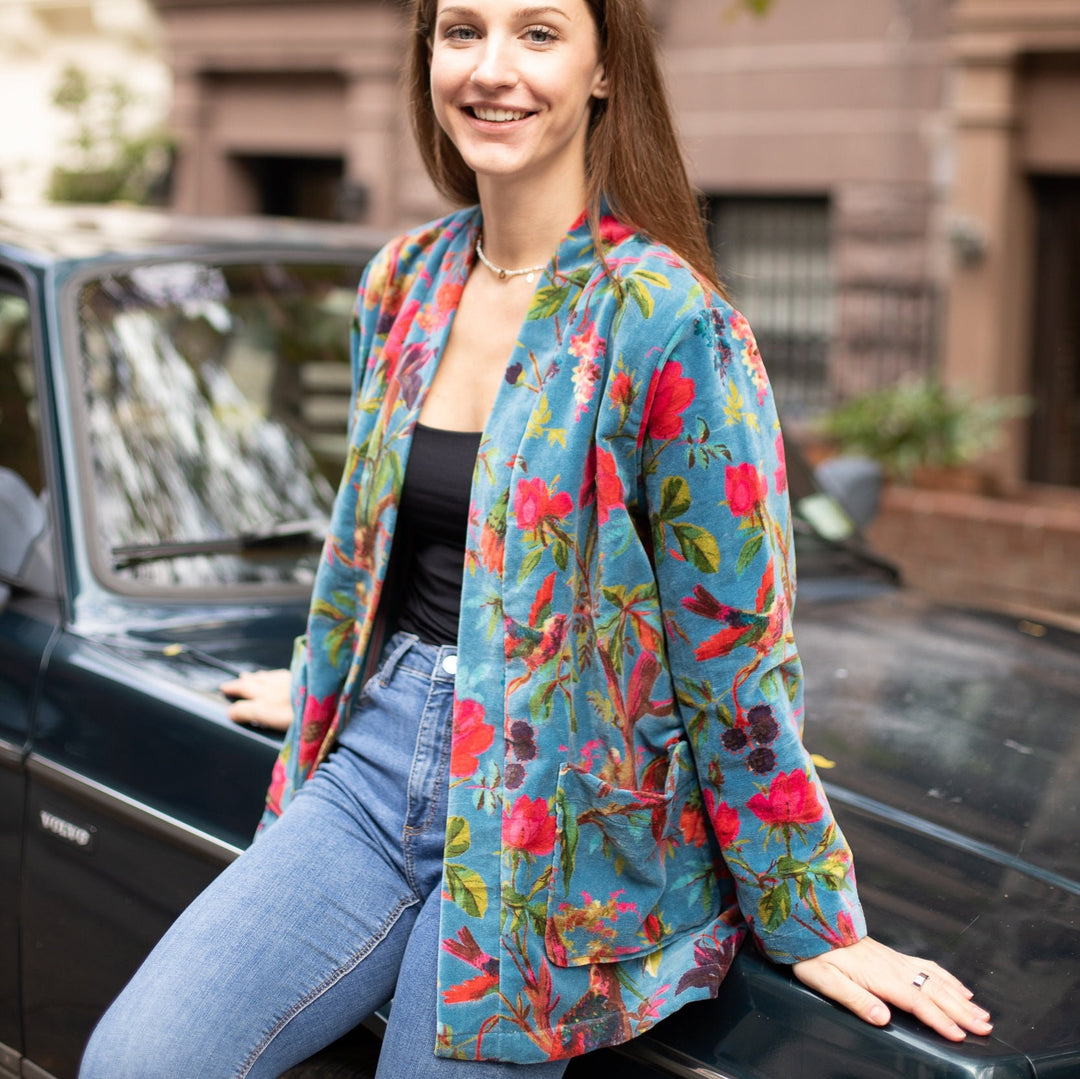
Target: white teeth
x,y
498,116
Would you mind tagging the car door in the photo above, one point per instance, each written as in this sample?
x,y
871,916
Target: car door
x,y
29,615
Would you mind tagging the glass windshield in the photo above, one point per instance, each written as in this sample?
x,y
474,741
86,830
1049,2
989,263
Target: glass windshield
x,y
217,402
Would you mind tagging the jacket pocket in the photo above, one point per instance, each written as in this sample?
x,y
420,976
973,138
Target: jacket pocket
x,y
631,868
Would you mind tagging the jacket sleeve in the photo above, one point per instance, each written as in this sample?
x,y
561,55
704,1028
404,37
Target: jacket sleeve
x,y
314,707
715,489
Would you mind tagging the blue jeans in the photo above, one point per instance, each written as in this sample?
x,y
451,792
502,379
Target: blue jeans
x,y
329,914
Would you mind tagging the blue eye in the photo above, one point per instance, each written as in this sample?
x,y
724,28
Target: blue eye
x,y
461,33
540,35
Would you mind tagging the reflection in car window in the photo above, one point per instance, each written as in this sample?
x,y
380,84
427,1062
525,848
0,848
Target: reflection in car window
x,y
201,415
20,449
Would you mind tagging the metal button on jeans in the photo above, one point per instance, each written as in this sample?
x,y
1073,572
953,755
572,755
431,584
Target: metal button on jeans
x,y
449,664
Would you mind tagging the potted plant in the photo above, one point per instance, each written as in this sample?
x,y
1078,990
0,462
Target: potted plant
x,y
922,432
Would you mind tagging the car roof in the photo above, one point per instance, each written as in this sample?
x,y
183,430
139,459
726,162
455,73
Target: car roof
x,y
45,234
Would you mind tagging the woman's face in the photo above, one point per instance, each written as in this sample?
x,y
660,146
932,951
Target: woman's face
x,y
512,85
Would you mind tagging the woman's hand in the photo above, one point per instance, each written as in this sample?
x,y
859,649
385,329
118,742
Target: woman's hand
x,y
260,698
866,976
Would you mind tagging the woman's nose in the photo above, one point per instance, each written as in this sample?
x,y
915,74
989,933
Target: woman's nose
x,y
495,66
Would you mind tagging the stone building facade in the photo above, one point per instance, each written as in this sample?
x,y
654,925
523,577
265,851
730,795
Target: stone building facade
x,y
894,186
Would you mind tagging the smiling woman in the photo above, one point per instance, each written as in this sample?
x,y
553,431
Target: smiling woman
x,y
545,771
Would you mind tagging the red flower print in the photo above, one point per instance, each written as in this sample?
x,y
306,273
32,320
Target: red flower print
x,y
745,488
318,715
609,492
533,504
530,826
845,929
669,396
602,483
492,549
692,825
613,231
725,820
622,390
780,475
792,799
471,989
472,736
652,928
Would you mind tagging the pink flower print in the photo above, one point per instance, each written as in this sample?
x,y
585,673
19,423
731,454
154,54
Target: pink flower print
x,y
745,489
792,799
534,504
780,475
530,826
584,379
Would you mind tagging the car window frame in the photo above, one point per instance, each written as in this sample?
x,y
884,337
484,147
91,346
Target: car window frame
x,y
16,282
67,301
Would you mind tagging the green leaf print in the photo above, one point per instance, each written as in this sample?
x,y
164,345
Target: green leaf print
x,y
569,839
698,546
548,301
774,907
458,838
641,296
674,497
467,889
749,552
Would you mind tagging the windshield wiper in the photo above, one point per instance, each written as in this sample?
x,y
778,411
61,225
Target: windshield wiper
x,y
304,533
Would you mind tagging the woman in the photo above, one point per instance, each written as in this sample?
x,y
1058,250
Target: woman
x,y
548,840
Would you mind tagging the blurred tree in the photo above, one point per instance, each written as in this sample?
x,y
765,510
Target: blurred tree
x,y
107,161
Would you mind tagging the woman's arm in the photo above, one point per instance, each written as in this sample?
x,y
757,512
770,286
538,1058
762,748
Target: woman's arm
x,y
716,494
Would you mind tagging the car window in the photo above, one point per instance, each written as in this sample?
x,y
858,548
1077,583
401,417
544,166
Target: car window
x,y
24,550
216,405
20,448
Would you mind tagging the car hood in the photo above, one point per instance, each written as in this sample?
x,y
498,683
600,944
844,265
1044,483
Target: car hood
x,y
200,646
949,742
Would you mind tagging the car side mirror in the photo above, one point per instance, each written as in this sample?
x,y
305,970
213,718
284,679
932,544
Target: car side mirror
x,y
855,482
25,552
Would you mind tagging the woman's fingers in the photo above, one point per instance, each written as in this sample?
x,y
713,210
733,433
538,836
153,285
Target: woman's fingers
x,y
260,697
831,981
867,976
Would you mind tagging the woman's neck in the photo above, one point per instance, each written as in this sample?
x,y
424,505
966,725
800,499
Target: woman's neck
x,y
525,222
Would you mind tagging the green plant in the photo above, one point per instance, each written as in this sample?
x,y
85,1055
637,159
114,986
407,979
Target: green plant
x,y
106,161
919,422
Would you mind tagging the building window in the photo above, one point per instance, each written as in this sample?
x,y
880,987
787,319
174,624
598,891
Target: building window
x,y
774,256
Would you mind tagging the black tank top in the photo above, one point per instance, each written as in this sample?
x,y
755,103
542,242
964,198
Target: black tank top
x,y
433,520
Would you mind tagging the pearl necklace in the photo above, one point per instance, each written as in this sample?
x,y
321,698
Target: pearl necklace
x,y
529,273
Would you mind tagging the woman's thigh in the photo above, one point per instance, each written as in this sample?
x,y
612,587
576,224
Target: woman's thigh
x,y
297,941
408,1050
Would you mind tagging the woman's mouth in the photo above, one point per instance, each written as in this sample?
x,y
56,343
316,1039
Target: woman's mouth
x,y
497,116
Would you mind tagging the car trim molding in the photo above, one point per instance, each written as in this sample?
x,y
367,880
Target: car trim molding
x,y
669,1060
11,756
130,811
912,823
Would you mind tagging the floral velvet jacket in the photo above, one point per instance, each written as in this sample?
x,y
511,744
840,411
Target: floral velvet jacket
x,y
629,789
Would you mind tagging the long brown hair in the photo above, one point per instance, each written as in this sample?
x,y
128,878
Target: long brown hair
x,y
632,158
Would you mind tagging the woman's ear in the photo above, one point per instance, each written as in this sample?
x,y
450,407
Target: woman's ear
x,y
600,85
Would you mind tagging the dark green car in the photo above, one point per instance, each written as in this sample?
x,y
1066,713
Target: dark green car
x,y
173,402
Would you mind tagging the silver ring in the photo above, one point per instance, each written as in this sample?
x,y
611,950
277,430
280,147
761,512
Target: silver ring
x,y
920,980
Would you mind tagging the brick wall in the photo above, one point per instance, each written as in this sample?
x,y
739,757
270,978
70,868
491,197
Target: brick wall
x,y
1021,555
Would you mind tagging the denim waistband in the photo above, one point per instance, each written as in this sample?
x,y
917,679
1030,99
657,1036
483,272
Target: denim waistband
x,y
406,651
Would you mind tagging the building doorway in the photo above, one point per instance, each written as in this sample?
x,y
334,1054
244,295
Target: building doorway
x,y
287,186
1055,376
